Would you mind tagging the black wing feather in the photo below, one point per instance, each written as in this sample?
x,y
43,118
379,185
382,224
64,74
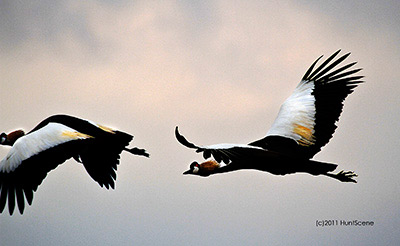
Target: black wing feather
x,y
3,196
334,64
310,69
313,74
11,199
102,155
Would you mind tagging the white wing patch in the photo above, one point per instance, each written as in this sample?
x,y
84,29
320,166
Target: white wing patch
x,y
296,117
33,143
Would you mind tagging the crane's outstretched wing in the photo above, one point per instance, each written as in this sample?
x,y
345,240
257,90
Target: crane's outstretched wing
x,y
101,153
52,143
31,158
308,117
227,152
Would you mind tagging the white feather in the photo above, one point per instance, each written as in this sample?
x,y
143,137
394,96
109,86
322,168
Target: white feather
x,y
33,143
297,111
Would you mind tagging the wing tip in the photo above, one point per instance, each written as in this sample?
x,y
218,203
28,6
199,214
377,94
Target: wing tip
x,y
323,71
182,140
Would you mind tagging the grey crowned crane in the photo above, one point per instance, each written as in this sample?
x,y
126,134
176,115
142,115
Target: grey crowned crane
x,y
52,142
305,123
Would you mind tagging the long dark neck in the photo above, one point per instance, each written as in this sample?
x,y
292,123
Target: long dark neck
x,y
274,166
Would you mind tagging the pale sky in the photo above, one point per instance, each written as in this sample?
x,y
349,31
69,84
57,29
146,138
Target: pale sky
x,y
220,71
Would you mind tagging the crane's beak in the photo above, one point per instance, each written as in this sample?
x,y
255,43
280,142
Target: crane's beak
x,y
187,172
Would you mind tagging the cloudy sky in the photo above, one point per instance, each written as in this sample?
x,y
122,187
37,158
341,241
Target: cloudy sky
x,y
220,70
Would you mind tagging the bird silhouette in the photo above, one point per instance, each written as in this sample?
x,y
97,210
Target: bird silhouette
x,y
52,142
305,123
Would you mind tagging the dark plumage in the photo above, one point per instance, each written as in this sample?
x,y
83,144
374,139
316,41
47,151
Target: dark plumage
x,y
52,142
305,123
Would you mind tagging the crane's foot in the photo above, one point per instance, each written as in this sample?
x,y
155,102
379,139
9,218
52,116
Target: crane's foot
x,y
343,176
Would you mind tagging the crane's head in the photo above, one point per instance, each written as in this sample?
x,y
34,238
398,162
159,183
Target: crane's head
x,y
194,168
203,169
9,139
